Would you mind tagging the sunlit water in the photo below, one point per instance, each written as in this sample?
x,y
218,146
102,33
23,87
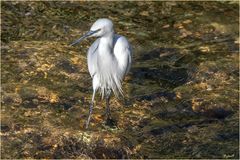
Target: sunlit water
x,y
181,95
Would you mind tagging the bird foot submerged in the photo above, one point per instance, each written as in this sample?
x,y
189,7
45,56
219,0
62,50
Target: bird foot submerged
x,y
109,120
112,123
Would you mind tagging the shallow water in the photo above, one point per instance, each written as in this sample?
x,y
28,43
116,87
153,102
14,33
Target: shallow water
x,y
181,95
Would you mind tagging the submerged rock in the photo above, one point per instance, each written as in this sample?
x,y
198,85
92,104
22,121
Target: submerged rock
x,y
4,128
218,113
67,66
11,98
28,93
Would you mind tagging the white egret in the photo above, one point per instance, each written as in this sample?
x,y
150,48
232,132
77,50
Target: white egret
x,y
109,59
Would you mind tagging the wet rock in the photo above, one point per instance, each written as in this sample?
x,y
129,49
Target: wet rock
x,y
28,93
67,66
70,148
161,130
17,126
235,73
35,101
11,98
168,95
164,74
227,136
26,103
111,122
44,146
192,129
31,113
218,113
160,126
103,152
43,154
159,52
29,104
22,54
143,122
64,106
5,128
172,109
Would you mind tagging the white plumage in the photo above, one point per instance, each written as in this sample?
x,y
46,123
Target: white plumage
x,y
108,66
109,60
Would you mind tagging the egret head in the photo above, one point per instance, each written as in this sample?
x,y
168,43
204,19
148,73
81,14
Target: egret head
x,y
102,27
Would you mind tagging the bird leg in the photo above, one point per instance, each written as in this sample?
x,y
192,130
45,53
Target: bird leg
x,y
89,115
109,121
90,109
107,112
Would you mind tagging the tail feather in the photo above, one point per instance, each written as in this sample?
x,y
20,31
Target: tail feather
x,y
113,83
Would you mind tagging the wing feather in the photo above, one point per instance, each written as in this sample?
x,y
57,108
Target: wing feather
x,y
92,58
123,54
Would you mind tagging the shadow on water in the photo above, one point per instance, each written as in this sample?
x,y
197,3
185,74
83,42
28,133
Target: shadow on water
x,y
166,67
171,74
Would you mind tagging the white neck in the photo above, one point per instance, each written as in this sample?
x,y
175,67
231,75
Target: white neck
x,y
106,44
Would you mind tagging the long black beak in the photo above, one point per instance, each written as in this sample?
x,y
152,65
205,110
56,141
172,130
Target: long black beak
x,y
89,33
